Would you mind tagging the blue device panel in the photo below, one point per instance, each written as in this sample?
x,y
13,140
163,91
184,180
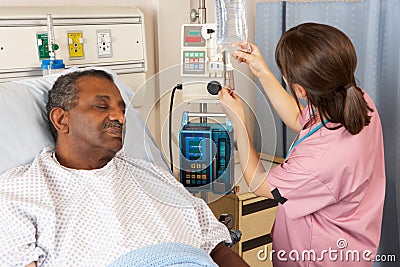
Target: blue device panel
x,y
206,160
196,170
223,164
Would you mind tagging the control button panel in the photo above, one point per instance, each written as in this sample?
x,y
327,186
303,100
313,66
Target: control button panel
x,y
193,62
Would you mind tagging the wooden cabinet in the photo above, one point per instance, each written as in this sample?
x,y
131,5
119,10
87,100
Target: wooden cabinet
x,y
254,216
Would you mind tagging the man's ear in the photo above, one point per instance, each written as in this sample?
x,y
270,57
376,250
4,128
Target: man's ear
x,y
300,91
59,118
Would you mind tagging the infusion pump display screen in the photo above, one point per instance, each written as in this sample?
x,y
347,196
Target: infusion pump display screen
x,y
196,161
192,37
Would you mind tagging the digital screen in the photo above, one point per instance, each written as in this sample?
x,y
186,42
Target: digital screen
x,y
194,143
192,37
193,149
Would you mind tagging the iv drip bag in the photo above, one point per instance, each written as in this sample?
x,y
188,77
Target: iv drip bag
x,y
231,22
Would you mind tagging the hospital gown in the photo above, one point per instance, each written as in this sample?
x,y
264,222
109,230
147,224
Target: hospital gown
x,y
65,217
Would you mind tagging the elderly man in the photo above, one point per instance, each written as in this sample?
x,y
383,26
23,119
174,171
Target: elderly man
x,y
86,203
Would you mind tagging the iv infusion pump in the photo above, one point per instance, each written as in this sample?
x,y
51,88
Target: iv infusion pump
x,y
206,156
206,159
201,62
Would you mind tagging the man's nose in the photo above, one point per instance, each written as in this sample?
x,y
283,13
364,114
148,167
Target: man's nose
x,y
117,115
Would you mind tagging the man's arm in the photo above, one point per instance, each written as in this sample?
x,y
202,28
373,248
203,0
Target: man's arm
x,y
32,264
224,256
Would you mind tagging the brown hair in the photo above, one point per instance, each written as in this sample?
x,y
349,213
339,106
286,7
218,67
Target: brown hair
x,y
323,60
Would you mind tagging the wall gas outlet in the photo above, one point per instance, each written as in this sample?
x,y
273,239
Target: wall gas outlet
x,y
75,45
104,43
42,44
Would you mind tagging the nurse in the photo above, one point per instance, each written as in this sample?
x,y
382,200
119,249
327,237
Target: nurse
x,y
330,188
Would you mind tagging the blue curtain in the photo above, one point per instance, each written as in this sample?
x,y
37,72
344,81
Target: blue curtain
x,y
374,28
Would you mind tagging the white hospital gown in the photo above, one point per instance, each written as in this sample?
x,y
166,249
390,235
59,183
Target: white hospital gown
x,y
64,217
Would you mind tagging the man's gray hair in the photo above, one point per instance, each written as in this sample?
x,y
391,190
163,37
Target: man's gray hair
x,y
64,93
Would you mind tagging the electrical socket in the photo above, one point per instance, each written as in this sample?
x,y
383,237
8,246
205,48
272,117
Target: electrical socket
x,y
75,45
104,43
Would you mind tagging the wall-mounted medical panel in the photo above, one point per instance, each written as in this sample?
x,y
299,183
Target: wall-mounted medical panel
x,y
76,35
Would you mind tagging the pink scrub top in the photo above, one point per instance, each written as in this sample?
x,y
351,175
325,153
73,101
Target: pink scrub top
x,y
334,183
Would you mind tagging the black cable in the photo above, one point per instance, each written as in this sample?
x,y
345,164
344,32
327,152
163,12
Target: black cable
x,y
171,104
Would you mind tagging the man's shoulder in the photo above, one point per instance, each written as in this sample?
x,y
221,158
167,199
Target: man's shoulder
x,y
16,172
125,158
29,167
141,165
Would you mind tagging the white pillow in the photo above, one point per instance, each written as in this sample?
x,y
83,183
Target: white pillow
x,y
24,123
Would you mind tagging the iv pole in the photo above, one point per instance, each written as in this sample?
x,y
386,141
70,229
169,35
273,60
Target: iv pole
x,y
201,16
202,20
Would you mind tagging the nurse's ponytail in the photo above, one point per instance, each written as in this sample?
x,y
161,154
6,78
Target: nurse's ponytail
x,y
322,60
356,110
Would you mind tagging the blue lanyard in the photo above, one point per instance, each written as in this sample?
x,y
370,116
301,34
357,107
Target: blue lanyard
x,y
319,126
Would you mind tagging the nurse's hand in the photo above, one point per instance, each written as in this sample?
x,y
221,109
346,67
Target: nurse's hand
x,y
232,106
250,54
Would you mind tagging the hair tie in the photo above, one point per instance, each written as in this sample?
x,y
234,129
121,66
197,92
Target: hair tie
x,y
348,86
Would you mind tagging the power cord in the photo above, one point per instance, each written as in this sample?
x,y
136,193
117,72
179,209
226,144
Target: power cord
x,y
171,104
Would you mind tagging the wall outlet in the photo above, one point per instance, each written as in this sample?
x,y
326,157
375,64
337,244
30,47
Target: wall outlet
x,y
104,43
75,45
